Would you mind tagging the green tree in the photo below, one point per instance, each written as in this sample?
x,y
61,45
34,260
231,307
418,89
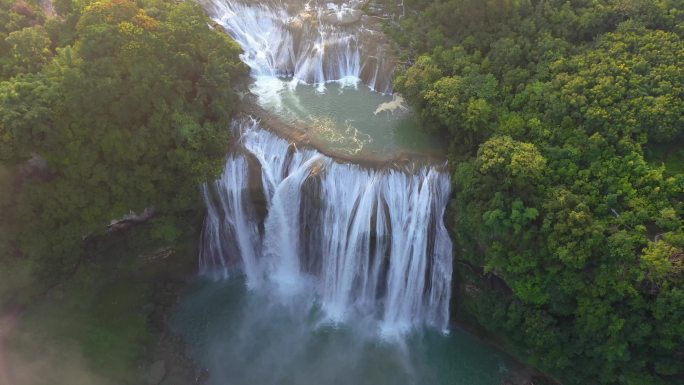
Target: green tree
x,y
568,203
132,115
29,50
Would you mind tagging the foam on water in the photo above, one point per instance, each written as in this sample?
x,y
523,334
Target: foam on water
x,y
312,43
369,243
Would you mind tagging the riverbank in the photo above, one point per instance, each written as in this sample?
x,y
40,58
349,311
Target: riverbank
x,y
521,373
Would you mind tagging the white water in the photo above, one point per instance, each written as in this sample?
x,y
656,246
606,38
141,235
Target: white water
x,y
369,243
229,227
310,42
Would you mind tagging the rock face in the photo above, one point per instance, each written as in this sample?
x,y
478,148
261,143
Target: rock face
x,y
351,16
132,219
156,373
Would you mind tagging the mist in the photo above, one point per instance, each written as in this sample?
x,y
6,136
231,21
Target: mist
x,y
27,358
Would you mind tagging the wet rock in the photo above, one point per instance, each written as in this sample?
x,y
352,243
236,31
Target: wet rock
x,y
345,17
131,219
161,253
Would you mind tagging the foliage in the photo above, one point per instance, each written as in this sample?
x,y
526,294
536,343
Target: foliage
x,y
129,104
564,119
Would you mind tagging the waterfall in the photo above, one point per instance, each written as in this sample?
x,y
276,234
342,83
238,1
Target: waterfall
x,y
309,42
373,242
230,233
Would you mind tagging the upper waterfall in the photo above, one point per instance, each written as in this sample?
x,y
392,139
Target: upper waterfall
x,y
310,42
371,243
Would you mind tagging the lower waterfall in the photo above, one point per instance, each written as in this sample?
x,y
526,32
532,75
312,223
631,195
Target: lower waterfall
x,y
368,242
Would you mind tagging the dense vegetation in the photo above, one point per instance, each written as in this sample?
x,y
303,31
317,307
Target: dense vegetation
x,y
109,107
106,107
566,120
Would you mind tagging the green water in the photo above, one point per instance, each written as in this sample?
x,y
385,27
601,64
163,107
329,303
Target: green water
x,y
248,338
350,120
254,337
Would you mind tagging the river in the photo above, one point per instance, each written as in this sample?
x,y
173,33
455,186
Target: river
x,y
324,255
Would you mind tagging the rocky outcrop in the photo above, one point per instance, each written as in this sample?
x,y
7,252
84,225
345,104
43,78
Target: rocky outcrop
x,y
131,219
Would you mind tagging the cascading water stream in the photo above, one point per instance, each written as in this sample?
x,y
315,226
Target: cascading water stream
x,y
308,42
368,243
230,228
338,273
372,242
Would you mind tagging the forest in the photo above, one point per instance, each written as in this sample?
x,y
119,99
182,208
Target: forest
x,y
111,108
566,121
565,124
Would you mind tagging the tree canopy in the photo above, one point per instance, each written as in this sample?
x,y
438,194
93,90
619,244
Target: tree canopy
x,y
566,120
128,105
